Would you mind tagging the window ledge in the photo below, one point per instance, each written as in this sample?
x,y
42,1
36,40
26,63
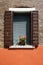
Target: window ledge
x,y
18,46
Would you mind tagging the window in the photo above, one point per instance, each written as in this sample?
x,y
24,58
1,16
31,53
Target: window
x,y
21,28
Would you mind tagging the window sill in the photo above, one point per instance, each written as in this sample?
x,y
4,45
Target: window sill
x,y
18,46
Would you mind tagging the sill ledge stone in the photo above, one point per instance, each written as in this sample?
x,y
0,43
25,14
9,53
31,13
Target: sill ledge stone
x,y
19,46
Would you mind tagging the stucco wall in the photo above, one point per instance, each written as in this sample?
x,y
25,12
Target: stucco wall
x,y
5,4
21,56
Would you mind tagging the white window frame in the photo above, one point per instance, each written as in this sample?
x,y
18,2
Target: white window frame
x,y
22,10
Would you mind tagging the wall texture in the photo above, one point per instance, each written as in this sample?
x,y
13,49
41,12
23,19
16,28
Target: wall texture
x,y
6,4
21,56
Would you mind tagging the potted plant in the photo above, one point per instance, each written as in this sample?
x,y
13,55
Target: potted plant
x,y
22,40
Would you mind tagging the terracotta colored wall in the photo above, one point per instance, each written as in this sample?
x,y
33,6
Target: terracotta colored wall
x,y
21,56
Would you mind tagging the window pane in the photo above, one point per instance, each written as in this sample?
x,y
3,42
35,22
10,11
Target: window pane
x,y
20,27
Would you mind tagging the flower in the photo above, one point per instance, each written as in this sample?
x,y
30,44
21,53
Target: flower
x,y
24,37
20,37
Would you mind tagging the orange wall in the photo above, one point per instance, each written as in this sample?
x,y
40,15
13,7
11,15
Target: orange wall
x,y
21,56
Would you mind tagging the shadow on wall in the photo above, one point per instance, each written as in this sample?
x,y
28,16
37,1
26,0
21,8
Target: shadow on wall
x,y
22,48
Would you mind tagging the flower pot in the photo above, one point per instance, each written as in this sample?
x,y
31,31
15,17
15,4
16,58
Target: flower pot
x,y
21,43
